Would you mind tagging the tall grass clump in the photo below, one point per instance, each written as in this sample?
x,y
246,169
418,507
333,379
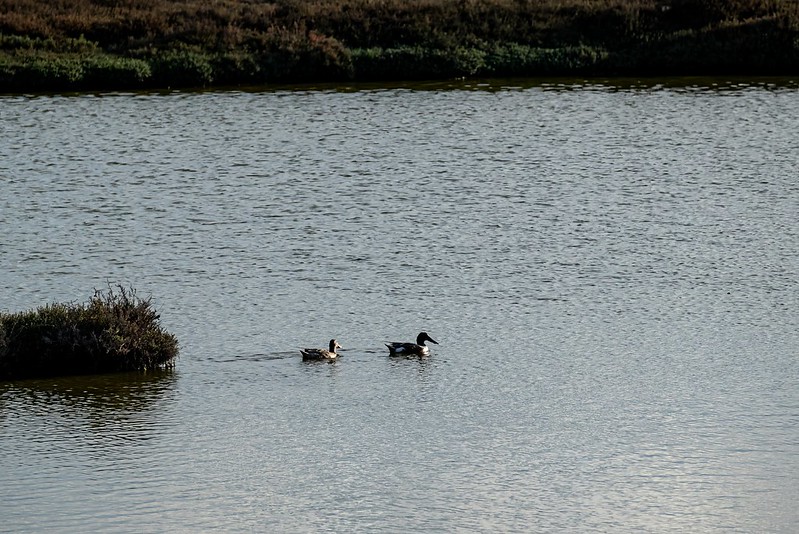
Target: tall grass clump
x,y
115,331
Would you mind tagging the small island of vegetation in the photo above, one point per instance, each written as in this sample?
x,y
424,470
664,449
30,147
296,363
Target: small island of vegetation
x,y
140,44
114,331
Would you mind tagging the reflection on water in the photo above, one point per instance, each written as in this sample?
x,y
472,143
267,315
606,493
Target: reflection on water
x,y
68,439
609,269
92,397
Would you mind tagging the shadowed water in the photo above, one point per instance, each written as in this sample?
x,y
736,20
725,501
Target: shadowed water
x,y
610,271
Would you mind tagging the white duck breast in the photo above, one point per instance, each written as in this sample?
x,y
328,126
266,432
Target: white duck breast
x,y
321,354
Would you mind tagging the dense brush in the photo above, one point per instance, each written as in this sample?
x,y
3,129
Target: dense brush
x,y
114,331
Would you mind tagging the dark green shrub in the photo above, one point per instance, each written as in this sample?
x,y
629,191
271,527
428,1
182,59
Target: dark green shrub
x,y
40,71
417,63
513,59
111,72
62,46
114,331
54,72
237,68
507,59
182,67
298,55
753,48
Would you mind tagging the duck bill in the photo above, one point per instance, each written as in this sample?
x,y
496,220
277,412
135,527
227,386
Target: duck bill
x,y
431,340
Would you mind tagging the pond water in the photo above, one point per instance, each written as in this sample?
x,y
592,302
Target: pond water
x,y
610,270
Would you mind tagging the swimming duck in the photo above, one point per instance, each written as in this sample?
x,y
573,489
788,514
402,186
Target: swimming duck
x,y
321,354
417,349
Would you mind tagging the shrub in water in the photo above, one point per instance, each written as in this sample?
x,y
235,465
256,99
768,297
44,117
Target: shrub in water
x,y
114,331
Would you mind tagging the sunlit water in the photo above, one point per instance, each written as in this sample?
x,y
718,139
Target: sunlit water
x,y
611,273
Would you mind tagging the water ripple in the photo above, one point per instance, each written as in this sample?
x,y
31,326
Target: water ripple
x,y
610,270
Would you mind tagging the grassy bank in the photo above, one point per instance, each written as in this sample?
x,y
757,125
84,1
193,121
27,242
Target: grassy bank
x,y
131,44
114,331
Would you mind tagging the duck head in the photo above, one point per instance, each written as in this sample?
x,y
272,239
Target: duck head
x,y
422,337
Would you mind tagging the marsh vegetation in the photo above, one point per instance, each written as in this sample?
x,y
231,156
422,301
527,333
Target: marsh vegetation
x,y
131,44
115,331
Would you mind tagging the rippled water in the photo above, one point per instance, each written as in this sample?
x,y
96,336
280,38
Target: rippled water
x,y
611,272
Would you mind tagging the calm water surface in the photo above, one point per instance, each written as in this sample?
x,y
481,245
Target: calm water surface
x,y
611,272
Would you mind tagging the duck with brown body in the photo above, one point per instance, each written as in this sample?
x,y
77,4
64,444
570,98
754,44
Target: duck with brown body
x,y
321,354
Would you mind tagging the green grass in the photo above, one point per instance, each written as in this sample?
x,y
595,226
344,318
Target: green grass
x,y
114,331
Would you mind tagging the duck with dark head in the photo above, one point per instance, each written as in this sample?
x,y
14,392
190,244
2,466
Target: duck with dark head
x,y
321,354
412,349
